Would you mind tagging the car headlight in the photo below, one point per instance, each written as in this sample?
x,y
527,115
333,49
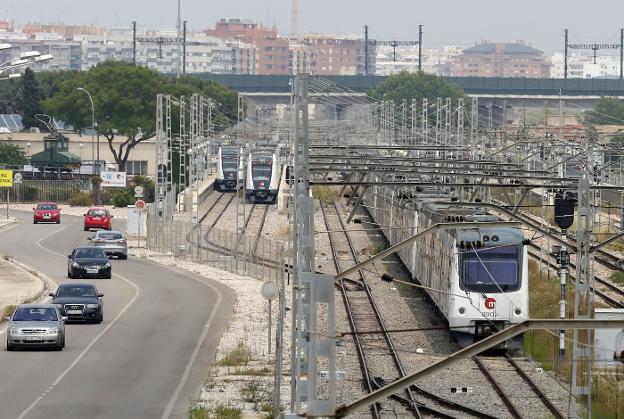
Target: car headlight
x,y
107,265
93,305
59,306
14,331
53,331
75,265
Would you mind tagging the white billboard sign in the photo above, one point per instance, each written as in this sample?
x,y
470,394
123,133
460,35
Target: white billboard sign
x,y
113,179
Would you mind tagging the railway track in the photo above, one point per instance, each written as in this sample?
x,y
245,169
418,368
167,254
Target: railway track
x,y
377,348
509,390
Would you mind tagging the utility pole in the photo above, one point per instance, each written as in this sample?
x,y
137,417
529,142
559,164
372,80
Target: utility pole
x,y
565,55
134,38
366,50
179,27
621,53
184,47
420,34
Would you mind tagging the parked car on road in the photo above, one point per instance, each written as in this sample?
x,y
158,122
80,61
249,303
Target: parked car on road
x,y
36,325
46,212
97,218
81,302
112,242
88,262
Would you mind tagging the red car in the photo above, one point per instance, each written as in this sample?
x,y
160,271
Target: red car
x,y
46,212
97,218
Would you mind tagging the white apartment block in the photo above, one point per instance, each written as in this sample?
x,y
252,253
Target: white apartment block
x,y
583,67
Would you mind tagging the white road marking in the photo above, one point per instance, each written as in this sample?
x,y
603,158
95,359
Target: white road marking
x,y
85,350
200,341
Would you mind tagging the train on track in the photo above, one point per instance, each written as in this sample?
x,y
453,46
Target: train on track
x,y
263,176
477,277
229,169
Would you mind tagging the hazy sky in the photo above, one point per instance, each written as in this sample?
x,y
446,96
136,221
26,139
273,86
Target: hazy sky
x,y
539,22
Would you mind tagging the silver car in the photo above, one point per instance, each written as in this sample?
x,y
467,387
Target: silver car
x,y
112,242
36,325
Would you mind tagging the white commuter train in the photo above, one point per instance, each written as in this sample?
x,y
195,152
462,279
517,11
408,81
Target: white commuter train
x,y
229,169
263,176
480,274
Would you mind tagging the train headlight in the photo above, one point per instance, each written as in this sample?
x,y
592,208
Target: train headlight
x,y
518,311
462,310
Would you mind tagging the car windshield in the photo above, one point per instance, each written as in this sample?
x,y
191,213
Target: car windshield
x,y
46,206
35,314
491,269
109,235
229,164
76,291
89,253
97,213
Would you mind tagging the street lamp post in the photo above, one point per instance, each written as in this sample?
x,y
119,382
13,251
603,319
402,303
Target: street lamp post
x,y
96,163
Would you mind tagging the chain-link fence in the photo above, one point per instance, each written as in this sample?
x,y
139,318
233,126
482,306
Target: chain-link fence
x,y
255,257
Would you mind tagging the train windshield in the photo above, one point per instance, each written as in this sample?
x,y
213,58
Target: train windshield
x,y
262,171
491,269
229,164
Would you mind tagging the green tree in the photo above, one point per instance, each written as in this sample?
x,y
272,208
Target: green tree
x,y
10,94
417,86
608,111
31,99
124,96
11,154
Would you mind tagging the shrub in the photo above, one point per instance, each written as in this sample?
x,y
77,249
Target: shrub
x,y
240,355
30,193
80,199
219,411
122,198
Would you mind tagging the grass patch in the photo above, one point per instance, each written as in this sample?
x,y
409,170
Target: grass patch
x,y
240,355
325,194
607,396
218,411
8,311
617,277
258,372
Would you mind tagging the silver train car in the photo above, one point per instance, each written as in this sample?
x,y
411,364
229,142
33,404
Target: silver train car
x,y
262,177
478,277
229,169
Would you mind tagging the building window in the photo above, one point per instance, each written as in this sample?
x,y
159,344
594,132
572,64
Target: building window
x,y
136,167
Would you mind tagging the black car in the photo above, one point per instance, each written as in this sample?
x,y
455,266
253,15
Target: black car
x,y
79,302
88,262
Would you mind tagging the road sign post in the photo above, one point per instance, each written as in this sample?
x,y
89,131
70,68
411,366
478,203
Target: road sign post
x,y
6,181
17,180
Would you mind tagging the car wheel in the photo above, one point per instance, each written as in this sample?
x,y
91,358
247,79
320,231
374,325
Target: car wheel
x,y
34,221
109,276
69,275
100,318
85,229
124,257
58,222
9,347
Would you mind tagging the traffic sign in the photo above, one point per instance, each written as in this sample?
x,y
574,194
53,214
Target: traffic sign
x,y
269,290
139,204
6,178
17,178
138,191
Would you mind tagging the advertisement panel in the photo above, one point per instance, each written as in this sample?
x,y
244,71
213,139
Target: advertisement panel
x,y
113,179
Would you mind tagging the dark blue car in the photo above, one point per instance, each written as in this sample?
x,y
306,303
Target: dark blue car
x,y
79,302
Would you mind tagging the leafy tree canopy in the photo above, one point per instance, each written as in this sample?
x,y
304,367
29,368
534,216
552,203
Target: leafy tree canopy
x,y
11,154
608,111
124,96
417,86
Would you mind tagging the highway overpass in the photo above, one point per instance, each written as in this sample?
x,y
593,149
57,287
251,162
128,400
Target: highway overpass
x,y
515,91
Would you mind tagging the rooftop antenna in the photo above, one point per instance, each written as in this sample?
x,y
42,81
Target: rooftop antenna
x,y
294,18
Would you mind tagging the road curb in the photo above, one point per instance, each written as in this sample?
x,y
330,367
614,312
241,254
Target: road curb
x,y
10,224
46,282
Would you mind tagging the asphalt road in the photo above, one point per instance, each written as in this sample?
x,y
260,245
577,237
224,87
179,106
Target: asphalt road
x,y
149,357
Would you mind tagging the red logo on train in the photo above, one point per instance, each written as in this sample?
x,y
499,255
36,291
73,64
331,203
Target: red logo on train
x,y
490,303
